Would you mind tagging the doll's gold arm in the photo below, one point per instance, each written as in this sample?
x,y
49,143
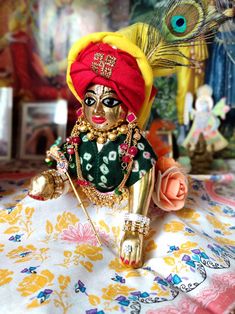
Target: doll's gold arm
x,y
140,194
136,223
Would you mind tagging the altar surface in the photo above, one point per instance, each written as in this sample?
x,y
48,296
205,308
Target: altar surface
x,y
51,263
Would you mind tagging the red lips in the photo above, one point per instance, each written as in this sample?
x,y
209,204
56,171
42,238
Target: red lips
x,y
98,120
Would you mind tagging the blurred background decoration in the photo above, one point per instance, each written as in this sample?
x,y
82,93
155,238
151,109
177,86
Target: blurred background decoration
x,y
216,60
35,37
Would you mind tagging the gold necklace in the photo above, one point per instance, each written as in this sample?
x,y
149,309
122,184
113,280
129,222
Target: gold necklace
x,y
100,136
128,151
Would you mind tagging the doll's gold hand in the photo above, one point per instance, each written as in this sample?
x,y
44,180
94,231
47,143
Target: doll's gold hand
x,y
48,185
131,246
131,249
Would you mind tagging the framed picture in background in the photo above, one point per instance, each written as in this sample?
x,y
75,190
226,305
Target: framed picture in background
x,y
41,124
6,101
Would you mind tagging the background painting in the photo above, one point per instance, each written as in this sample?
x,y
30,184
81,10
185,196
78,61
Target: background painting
x,y
41,125
36,36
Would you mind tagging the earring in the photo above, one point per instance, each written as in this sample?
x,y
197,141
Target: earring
x,y
131,117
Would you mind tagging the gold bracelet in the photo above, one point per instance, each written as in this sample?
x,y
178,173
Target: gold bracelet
x,y
136,223
59,180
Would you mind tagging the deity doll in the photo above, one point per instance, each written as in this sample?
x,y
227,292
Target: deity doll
x,y
205,121
111,75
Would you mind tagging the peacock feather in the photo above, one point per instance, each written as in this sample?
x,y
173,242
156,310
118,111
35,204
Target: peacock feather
x,y
175,24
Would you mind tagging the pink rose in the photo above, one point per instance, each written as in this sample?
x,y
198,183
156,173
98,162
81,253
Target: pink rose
x,y
171,189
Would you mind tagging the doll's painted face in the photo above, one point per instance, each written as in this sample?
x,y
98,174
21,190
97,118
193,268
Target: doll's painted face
x,y
102,108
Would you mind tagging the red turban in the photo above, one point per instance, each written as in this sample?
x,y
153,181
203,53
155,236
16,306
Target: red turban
x,y
102,64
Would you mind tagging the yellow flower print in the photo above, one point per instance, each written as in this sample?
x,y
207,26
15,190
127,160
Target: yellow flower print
x,y
219,225
216,209
161,293
151,246
11,230
189,214
169,261
49,227
35,303
117,266
109,309
88,265
89,251
185,248
5,276
225,241
41,255
104,226
61,296
13,217
188,245
20,217
35,282
174,226
29,212
64,220
116,232
134,273
22,253
94,300
63,281
68,254
120,268
49,231
85,251
112,291
1,247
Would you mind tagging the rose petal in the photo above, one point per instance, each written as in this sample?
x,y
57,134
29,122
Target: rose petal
x,y
164,198
176,205
166,206
172,188
182,191
164,184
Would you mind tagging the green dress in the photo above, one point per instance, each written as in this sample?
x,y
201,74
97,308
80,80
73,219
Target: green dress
x,y
103,168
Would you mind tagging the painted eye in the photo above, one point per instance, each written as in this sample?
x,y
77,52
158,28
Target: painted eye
x,y
179,23
111,102
89,101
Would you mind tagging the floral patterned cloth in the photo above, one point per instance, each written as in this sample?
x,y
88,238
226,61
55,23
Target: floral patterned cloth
x,y
50,261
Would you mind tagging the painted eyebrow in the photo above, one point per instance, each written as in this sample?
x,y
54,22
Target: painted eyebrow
x,y
108,92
